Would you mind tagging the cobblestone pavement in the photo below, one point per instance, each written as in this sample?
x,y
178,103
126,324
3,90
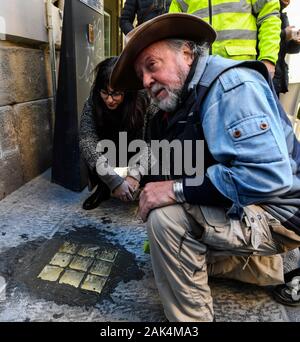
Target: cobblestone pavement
x,y
40,215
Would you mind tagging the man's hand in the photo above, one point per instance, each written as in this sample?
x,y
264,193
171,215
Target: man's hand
x,y
270,66
155,195
123,192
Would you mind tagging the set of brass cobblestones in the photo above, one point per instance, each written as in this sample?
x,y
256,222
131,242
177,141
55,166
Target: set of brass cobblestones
x,y
82,266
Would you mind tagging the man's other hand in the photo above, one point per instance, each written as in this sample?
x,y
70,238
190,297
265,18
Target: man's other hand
x,y
270,66
155,195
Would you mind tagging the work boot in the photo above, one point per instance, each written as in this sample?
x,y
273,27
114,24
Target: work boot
x,y
289,293
102,193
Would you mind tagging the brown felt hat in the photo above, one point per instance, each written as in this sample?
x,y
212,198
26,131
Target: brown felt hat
x,y
171,25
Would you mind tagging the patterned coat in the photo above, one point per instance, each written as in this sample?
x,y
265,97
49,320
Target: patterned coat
x,y
90,136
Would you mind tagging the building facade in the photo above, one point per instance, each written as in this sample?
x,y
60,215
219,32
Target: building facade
x,y
26,88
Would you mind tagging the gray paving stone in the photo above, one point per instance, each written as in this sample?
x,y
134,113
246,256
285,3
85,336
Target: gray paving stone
x,y
238,302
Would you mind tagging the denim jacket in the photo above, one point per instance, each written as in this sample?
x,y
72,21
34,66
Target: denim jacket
x,y
250,137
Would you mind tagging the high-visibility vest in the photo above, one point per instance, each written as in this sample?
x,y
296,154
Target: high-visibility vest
x,y
246,29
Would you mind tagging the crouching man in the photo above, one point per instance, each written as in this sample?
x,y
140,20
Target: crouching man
x,y
234,220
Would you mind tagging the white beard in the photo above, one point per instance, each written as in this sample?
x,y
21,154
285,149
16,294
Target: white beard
x,y
170,103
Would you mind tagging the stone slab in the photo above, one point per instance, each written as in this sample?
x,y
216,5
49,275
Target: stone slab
x,y
24,75
11,173
33,122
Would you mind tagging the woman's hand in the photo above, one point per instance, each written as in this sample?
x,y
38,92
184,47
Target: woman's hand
x,y
124,192
132,182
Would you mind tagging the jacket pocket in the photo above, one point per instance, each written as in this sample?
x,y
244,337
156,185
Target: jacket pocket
x,y
220,232
254,140
214,216
237,50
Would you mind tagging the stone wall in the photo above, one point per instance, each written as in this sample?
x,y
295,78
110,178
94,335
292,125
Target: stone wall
x,y
26,115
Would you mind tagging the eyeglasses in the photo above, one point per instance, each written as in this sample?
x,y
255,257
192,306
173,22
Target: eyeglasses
x,y
116,95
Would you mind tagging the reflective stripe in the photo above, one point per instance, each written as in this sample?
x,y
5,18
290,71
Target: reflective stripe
x,y
229,7
260,20
184,6
203,13
259,5
236,34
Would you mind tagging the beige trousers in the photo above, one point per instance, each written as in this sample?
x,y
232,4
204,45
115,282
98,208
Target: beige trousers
x,y
186,248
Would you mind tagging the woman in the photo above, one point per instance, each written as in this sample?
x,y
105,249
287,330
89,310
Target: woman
x,y
106,113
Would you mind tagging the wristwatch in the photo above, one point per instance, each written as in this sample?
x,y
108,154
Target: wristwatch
x,y
178,191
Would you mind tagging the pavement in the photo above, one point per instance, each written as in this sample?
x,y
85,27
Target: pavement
x,y
61,263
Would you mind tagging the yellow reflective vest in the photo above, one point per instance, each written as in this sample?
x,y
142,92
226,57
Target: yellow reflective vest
x,y
246,29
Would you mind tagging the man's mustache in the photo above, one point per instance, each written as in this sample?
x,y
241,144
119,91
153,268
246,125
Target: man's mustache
x,y
156,88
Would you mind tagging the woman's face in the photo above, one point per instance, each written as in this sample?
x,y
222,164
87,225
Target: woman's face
x,y
111,98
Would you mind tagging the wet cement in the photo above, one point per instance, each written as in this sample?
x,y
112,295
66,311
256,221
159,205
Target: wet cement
x,y
21,266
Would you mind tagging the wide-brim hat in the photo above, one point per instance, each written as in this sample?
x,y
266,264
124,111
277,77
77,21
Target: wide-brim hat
x,y
171,25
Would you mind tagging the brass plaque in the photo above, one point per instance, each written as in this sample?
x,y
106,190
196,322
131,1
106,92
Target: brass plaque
x,y
68,247
101,268
81,263
61,259
88,251
107,255
72,278
50,273
93,283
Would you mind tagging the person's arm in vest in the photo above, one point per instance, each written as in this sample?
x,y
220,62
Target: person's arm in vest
x,y
269,28
128,15
176,6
